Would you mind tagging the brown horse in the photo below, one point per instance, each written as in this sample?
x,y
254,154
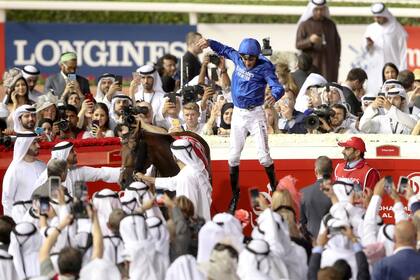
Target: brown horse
x,y
141,148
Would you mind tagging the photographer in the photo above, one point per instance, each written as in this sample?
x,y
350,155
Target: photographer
x,y
222,79
309,96
338,121
68,125
118,103
388,114
166,67
169,118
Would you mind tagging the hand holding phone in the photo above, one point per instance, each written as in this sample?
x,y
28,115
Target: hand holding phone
x,y
119,79
72,77
402,184
44,205
388,184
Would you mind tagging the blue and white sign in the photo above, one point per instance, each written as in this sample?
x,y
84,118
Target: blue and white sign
x,y
100,48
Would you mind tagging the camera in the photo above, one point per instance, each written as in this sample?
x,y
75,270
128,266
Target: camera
x,y
191,94
63,125
266,49
215,59
129,113
322,112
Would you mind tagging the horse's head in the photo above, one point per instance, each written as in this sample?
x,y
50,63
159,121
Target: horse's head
x,y
133,156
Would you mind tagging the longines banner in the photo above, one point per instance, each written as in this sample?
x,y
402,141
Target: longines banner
x,y
114,48
120,48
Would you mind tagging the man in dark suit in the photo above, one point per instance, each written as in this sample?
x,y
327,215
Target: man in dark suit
x,y
353,90
405,262
315,204
62,81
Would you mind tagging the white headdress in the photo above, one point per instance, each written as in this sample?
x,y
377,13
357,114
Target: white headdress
x,y
312,80
150,71
309,12
105,201
184,267
17,125
61,150
23,142
30,71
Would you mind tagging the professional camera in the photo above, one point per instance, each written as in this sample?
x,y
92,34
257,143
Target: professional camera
x,y
129,113
324,112
191,94
266,49
215,59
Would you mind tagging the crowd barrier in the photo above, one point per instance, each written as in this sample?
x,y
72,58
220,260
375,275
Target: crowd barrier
x,y
395,155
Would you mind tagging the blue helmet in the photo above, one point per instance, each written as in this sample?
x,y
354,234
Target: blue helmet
x,y
250,46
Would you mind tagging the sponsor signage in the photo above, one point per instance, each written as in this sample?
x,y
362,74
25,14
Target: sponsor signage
x,y
115,48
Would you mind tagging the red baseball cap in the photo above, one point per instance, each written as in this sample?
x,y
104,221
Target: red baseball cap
x,y
355,143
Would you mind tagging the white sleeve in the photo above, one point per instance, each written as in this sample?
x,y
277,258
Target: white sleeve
x,y
9,191
368,123
370,228
399,212
92,174
401,117
168,183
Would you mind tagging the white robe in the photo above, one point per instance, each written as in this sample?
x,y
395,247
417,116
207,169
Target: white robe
x,y
394,121
389,45
194,185
85,174
7,269
18,183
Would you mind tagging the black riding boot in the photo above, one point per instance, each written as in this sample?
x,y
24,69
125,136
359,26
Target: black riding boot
x,y
234,178
271,174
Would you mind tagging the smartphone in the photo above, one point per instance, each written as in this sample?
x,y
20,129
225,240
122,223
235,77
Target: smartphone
x,y
71,77
44,205
402,184
39,130
214,76
95,123
254,193
388,184
54,183
119,79
79,209
89,97
381,94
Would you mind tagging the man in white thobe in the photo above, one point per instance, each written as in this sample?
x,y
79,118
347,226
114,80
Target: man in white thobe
x,y
65,151
150,89
25,168
192,181
385,41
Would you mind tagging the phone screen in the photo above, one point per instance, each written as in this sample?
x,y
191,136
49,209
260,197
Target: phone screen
x,y
159,196
253,194
388,184
402,184
44,205
72,77
54,183
95,123
119,79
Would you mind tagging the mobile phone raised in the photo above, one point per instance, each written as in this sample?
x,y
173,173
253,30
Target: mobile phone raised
x,y
402,184
388,184
44,205
254,193
54,183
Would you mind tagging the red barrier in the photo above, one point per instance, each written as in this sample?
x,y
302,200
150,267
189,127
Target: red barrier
x,y
251,173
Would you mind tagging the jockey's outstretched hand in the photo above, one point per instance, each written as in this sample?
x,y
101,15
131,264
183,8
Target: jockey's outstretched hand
x,y
203,43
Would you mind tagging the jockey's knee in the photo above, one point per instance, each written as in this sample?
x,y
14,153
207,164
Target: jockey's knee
x,y
265,160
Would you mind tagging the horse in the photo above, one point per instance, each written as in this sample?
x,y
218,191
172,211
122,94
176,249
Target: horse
x,y
141,148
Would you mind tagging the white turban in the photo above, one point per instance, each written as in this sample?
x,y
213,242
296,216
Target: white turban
x,y
105,201
185,268
232,228
25,242
255,257
150,71
133,229
99,94
100,269
30,71
23,142
61,150
183,150
312,80
17,125
309,12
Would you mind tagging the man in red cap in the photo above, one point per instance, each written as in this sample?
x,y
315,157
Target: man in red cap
x,y
355,166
